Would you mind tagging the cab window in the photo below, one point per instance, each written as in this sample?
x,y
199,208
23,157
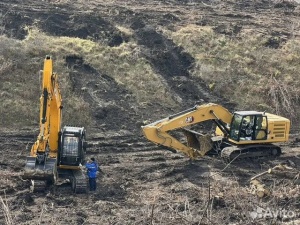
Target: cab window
x,y
70,146
261,128
247,127
235,127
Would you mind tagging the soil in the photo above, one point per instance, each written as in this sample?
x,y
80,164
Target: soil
x,y
141,183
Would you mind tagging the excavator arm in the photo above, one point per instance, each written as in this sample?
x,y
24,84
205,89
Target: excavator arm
x,y
157,132
50,109
42,162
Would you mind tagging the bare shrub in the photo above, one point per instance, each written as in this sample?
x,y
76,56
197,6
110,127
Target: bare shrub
x,y
239,67
280,96
5,66
6,212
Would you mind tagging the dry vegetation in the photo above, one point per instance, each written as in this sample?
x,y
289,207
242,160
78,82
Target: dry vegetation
x,y
245,68
252,68
124,63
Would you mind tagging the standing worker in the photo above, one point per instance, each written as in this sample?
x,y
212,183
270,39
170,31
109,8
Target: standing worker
x,y
92,169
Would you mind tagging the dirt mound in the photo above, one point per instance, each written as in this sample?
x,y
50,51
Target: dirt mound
x,y
106,96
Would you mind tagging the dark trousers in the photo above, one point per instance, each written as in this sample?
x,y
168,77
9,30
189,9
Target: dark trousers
x,y
93,184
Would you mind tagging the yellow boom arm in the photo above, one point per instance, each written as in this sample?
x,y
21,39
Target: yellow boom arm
x,y
50,110
157,131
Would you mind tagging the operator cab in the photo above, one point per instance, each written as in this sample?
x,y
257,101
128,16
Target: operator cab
x,y
248,125
72,146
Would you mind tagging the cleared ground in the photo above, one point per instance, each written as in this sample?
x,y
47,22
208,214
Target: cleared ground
x,y
140,183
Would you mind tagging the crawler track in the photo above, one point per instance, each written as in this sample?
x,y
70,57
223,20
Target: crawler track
x,y
230,154
79,182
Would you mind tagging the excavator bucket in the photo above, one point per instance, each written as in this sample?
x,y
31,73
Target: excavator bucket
x,y
202,143
45,171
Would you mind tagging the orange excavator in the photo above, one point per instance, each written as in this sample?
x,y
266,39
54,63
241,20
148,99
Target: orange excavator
x,y
58,152
241,134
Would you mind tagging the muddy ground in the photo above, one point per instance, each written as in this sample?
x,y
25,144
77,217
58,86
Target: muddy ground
x,y
141,183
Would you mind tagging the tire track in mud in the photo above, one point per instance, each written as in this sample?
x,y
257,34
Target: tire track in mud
x,y
132,168
124,159
174,65
118,146
128,162
136,159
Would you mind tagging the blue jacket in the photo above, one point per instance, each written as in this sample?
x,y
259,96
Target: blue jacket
x,y
92,169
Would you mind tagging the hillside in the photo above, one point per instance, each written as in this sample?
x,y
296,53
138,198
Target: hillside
x,y
122,64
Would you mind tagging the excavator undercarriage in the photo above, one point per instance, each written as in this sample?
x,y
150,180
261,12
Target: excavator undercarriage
x,y
220,146
232,153
41,178
43,170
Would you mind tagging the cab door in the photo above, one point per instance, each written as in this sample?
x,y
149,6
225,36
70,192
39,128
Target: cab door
x,y
261,128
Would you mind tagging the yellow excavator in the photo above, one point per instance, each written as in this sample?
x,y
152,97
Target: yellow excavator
x,y
242,134
58,152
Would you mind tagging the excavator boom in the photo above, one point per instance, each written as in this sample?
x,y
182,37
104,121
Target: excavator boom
x,y
50,108
41,164
157,132
242,133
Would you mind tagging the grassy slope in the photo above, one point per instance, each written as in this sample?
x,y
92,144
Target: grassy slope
x,y
21,61
241,68
244,69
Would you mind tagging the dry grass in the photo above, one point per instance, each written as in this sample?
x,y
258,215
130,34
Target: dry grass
x,y
124,63
240,69
23,60
243,69
6,212
221,199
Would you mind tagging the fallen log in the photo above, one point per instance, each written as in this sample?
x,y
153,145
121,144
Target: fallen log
x,y
279,170
259,189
